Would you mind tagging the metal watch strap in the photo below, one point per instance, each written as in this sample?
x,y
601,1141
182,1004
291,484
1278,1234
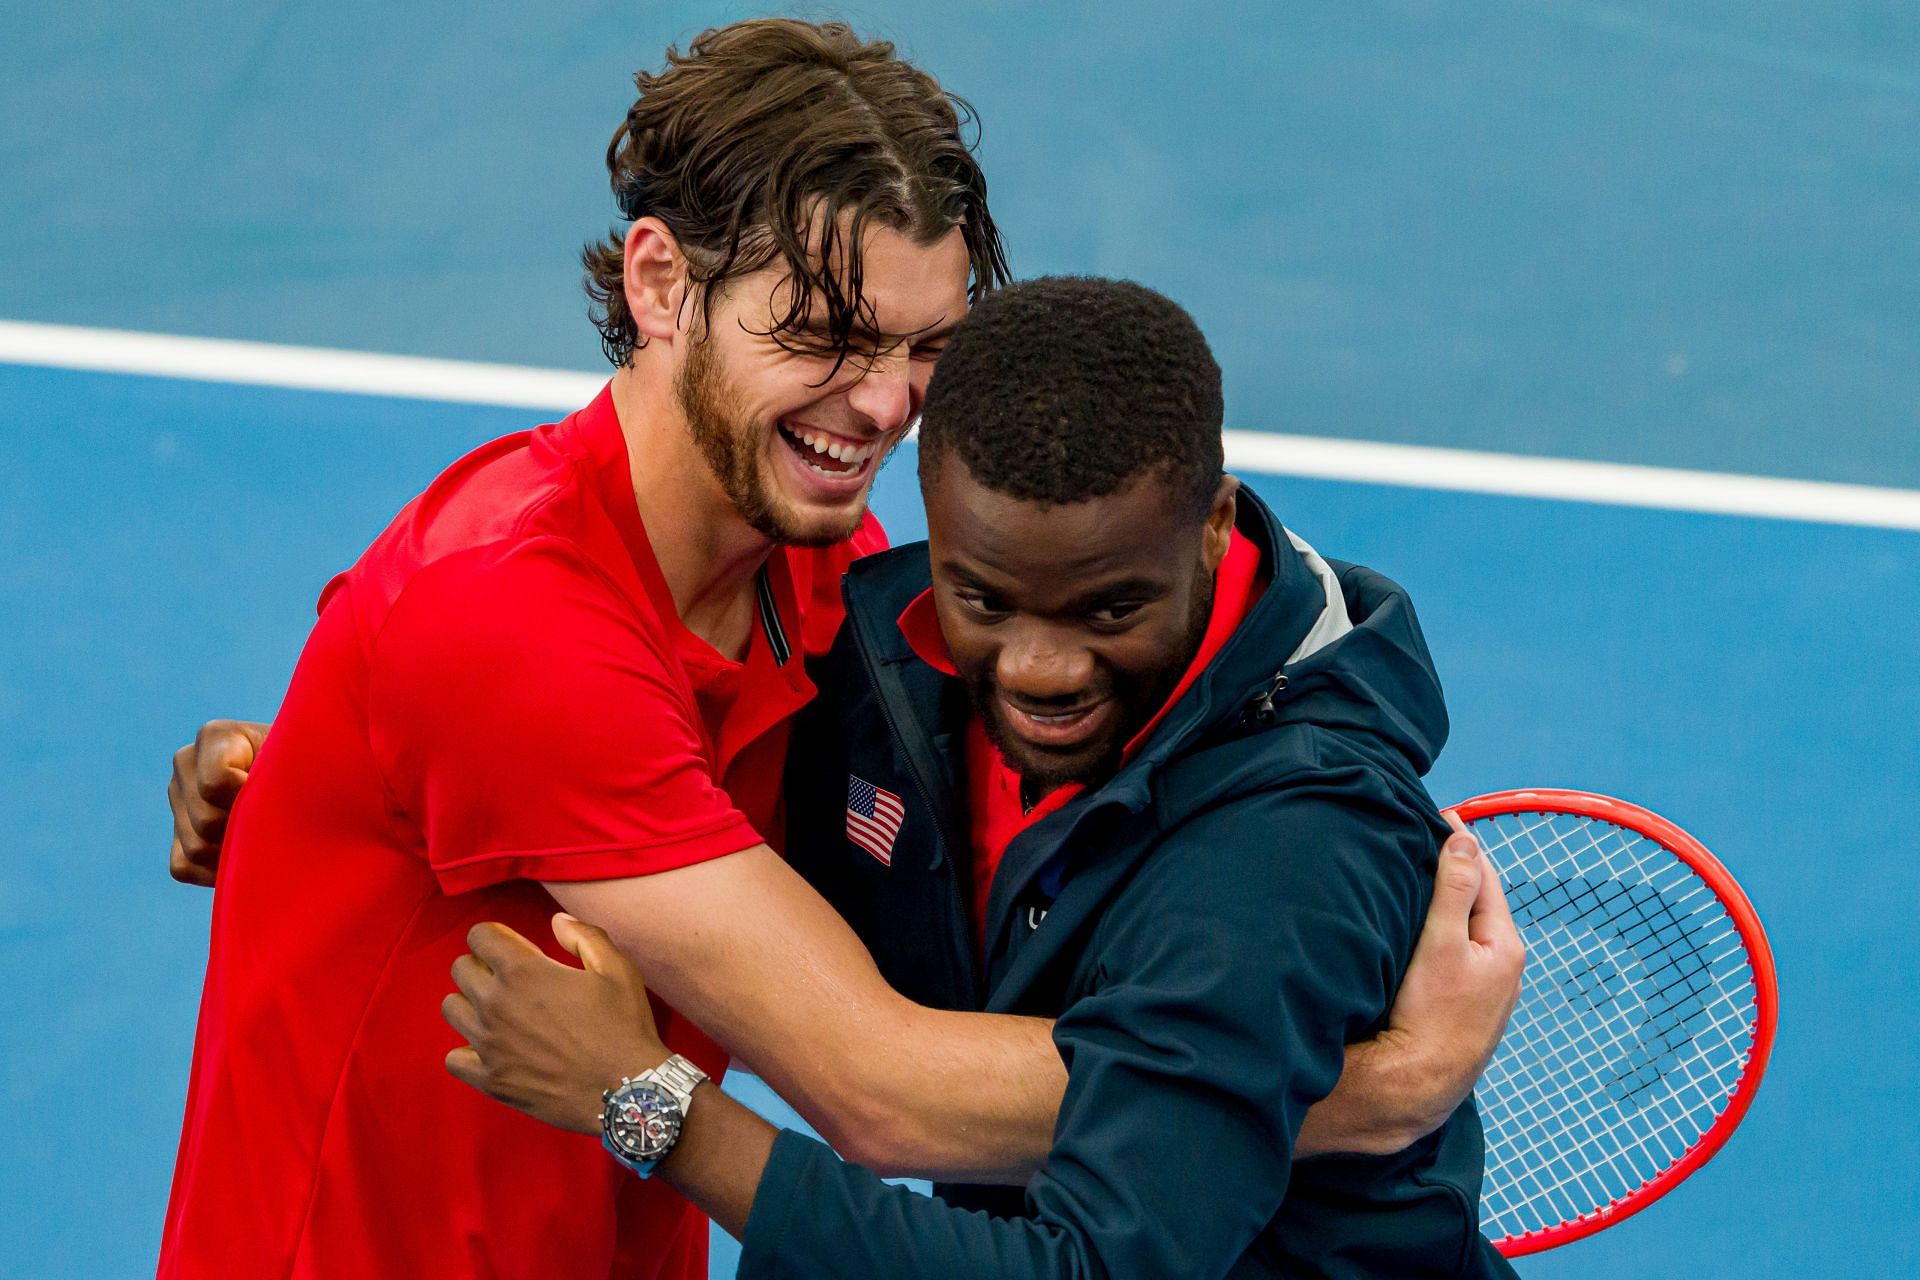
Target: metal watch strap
x,y
678,1077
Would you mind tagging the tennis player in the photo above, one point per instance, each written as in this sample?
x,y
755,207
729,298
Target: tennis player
x,y
1193,833
567,671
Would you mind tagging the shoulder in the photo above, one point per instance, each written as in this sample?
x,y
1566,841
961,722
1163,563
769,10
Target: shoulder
x,y
538,591
1326,839
520,644
519,485
517,489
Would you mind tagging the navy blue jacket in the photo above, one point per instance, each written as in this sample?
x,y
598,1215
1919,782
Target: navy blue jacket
x,y
1210,929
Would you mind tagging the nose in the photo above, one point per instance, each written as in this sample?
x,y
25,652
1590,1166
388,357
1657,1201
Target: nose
x,y
1039,664
885,394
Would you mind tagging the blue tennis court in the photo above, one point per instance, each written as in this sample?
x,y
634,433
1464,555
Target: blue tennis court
x,y
1751,675
1676,235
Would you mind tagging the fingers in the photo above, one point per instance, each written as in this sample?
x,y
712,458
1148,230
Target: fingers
x,y
500,948
185,870
190,859
465,1066
468,975
459,1013
216,788
1489,921
207,776
1457,885
1491,918
1492,929
223,755
590,944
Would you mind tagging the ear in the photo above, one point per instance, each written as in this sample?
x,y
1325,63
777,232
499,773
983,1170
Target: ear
x,y
655,276
1220,522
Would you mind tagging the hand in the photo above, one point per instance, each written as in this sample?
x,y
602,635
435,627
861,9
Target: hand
x,y
543,1036
1446,1021
207,775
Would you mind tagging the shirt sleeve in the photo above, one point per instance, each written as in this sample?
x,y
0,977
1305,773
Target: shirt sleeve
x,y
528,716
1230,987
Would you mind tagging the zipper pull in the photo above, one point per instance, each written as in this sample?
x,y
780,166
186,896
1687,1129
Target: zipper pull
x,y
1260,712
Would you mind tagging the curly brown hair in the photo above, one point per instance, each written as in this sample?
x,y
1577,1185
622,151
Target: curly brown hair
x,y
769,133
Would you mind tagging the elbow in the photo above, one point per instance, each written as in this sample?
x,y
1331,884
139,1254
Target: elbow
x,y
885,1139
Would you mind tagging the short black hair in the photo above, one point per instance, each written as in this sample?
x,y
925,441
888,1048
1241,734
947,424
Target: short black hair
x,y
1064,388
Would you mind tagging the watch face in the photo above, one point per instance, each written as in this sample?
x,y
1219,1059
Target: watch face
x,y
642,1121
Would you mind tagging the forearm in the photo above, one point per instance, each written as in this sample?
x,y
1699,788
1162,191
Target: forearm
x,y
1384,1102
966,1097
759,961
915,1092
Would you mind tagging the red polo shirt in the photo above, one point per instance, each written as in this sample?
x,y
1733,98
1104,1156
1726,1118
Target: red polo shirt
x,y
995,811
499,692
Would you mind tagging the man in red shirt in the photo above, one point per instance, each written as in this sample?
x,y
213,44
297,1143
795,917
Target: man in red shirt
x,y
564,672
570,664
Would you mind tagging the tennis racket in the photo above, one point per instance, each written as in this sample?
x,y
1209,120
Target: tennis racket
x,y
1645,1018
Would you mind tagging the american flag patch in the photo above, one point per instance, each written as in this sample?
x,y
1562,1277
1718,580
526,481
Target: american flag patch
x,y
874,815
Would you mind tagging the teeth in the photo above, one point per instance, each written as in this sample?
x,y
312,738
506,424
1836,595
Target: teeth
x,y
836,449
1058,717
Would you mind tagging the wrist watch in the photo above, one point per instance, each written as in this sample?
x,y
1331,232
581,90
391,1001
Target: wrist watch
x,y
641,1119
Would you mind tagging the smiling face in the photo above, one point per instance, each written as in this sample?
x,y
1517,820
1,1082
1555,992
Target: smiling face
x,y
793,440
1071,623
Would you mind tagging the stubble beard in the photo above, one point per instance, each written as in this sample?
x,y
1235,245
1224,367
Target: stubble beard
x,y
729,447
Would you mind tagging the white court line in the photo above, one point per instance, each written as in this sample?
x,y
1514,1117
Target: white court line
x,y
266,364
1365,462
1574,480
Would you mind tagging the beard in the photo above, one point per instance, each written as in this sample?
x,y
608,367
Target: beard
x,y
1139,696
730,447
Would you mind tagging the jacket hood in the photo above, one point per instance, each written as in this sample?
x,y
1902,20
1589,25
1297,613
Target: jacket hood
x,y
1368,672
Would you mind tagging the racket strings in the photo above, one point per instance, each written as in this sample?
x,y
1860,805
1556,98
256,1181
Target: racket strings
x,y
1635,1019
1557,1061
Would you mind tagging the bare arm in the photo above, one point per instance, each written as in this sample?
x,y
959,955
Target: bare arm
x,y
753,955
1395,1089
973,1098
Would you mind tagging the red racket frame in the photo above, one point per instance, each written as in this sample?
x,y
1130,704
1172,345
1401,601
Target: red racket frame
x,y
1765,992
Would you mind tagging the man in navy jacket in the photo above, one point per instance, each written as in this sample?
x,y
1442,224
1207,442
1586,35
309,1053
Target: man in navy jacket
x,y
1131,756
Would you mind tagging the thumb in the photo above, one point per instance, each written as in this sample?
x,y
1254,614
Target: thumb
x,y
1456,883
256,736
587,943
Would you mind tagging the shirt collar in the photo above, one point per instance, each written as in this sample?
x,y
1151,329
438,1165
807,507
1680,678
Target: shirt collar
x,y
920,624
